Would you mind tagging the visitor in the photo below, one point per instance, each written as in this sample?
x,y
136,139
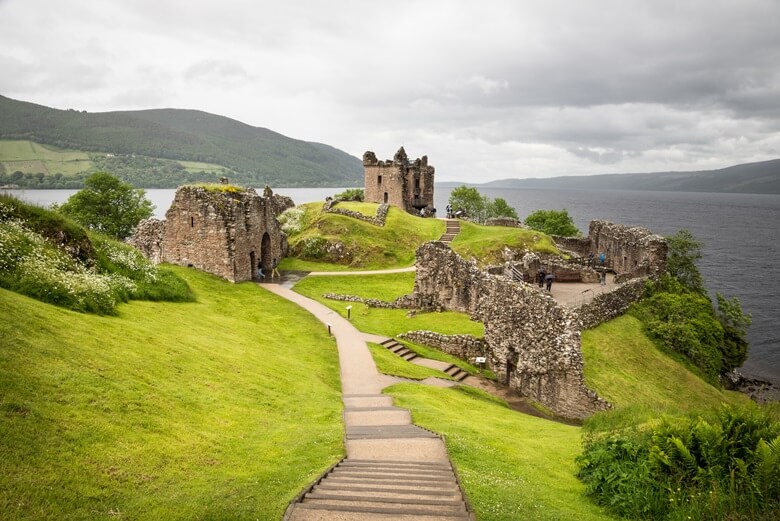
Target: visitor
x,y
549,280
274,271
259,275
449,212
602,258
590,260
540,277
603,277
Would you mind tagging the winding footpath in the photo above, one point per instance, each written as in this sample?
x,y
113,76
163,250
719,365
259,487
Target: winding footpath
x,y
394,470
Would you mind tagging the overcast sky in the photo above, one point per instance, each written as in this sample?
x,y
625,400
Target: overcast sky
x,y
487,89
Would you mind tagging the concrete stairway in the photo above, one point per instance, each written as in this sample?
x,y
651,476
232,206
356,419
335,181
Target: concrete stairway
x,y
456,373
394,471
370,489
401,350
453,229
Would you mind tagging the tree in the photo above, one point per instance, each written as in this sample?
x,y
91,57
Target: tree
x,y
552,222
108,205
684,251
469,201
500,208
735,325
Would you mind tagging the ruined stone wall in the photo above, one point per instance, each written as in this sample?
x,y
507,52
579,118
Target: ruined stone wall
x,y
533,342
399,182
227,233
377,220
148,239
465,347
630,251
606,306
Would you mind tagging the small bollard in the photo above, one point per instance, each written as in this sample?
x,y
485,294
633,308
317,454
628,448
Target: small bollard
x,y
349,311
329,333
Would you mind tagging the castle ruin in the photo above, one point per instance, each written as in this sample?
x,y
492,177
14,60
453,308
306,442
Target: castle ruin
x,y
228,232
399,182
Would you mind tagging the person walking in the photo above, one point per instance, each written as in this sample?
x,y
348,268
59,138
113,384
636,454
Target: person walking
x,y
549,280
274,271
540,277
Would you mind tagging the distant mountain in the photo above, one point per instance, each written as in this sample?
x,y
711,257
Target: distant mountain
x,y
250,155
756,178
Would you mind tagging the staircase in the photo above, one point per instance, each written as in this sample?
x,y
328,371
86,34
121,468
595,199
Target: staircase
x,y
453,229
398,348
376,489
456,373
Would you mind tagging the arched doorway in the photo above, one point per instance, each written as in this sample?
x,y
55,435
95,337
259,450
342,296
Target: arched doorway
x,y
385,197
266,255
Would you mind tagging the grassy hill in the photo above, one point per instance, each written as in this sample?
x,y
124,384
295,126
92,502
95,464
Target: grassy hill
x,y
168,141
217,409
762,177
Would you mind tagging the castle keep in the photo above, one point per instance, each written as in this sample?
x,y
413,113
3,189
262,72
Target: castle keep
x,y
227,232
399,182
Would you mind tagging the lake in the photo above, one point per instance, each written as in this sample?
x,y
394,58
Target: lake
x,y
739,232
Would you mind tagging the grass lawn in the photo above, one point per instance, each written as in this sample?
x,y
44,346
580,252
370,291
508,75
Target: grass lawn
x,y
394,365
512,466
388,322
486,243
30,157
626,368
220,409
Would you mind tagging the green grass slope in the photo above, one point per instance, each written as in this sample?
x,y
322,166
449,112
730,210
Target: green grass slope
x,y
255,155
624,366
220,409
486,243
365,246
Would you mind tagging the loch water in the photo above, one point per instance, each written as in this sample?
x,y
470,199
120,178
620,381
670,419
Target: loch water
x,y
741,252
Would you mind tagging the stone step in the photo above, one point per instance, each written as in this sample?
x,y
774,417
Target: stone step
x,y
399,349
384,499
411,465
371,512
379,400
388,473
385,508
363,432
451,491
456,373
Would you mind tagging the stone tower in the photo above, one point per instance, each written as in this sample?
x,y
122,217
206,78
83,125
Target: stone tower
x,y
399,182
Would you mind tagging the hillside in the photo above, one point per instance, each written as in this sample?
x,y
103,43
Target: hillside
x,y
131,143
754,178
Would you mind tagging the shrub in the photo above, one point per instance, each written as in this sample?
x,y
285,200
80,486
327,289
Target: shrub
x,y
351,194
723,467
293,220
553,222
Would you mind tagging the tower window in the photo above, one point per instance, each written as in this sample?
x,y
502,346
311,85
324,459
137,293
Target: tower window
x,y
379,180
192,222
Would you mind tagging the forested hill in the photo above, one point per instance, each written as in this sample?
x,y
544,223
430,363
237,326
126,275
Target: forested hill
x,y
250,155
753,178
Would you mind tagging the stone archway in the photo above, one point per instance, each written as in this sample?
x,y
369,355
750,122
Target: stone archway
x,y
266,255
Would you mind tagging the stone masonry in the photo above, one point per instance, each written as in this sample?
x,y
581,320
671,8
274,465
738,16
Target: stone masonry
x,y
225,232
399,182
630,251
533,342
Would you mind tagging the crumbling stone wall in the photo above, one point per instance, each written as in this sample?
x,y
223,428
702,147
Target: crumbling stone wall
x,y
533,342
377,220
227,233
148,239
465,347
606,306
630,251
407,185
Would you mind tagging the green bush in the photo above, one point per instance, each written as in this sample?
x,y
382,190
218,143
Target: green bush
x,y
723,467
553,222
351,194
293,220
49,267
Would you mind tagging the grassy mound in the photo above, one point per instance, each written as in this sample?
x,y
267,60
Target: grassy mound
x,y
47,256
220,409
327,242
486,243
